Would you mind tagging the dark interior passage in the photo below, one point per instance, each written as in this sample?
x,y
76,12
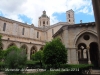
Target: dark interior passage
x,y
94,53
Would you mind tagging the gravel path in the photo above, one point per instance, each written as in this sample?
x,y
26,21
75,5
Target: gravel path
x,y
2,73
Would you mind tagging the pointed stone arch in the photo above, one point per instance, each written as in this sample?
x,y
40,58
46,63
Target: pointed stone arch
x,y
41,48
84,38
1,48
11,44
81,33
24,46
33,50
82,53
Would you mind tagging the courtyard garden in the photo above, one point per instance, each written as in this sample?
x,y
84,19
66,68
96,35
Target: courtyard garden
x,y
49,61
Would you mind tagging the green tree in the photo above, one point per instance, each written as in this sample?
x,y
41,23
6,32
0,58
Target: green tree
x,y
0,42
54,53
1,51
15,58
38,56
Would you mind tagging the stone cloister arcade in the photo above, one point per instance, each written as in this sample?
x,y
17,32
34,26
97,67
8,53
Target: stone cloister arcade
x,y
29,48
87,48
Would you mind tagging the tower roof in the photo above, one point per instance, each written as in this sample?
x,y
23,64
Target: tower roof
x,y
44,14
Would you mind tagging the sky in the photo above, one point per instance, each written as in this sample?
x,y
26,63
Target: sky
x,y
28,11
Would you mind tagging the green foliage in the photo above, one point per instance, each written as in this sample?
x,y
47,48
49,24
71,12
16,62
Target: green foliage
x,y
10,49
15,58
2,65
0,42
1,55
68,72
38,55
54,53
80,66
53,73
33,64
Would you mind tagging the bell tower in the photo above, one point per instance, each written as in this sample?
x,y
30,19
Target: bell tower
x,y
44,20
70,16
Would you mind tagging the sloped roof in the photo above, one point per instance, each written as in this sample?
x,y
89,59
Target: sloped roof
x,y
73,26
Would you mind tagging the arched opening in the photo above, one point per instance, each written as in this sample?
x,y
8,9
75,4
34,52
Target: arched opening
x,y
24,47
33,50
41,48
1,47
69,15
12,44
82,53
94,56
43,22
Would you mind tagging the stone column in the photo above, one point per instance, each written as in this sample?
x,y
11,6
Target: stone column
x,y
28,52
96,8
28,55
88,48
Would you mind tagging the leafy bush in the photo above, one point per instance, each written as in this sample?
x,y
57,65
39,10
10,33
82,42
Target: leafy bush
x,y
53,73
33,64
38,56
80,66
15,58
54,53
2,65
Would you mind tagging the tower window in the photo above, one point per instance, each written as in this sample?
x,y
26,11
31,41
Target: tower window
x,y
4,27
43,22
69,15
69,20
37,34
23,31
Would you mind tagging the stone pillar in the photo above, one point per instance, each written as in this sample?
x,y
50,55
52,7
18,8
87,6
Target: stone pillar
x,y
73,57
96,8
69,58
89,61
5,45
28,53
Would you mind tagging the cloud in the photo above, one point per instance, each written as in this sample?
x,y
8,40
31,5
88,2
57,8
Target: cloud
x,y
33,8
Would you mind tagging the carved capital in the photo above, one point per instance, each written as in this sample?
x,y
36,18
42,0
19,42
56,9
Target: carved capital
x,y
88,48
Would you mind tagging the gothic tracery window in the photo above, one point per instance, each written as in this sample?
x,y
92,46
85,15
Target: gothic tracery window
x,y
82,51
